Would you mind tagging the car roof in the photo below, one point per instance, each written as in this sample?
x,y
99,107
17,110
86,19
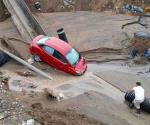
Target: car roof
x,y
55,43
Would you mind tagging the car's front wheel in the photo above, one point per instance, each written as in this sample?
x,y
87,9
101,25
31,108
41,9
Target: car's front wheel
x,y
37,58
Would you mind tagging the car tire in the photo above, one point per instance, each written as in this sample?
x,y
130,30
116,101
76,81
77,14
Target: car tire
x,y
37,58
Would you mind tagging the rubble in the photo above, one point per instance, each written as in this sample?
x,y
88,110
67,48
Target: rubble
x,y
5,80
133,9
53,95
11,110
25,73
23,84
141,41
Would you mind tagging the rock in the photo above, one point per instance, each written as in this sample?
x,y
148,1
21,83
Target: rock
x,y
53,94
2,116
140,60
23,84
30,122
60,96
26,73
148,71
30,60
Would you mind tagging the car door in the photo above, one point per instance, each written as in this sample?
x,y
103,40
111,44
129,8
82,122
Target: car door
x,y
47,55
54,58
60,61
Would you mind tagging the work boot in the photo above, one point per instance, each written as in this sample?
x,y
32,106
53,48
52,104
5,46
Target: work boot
x,y
138,111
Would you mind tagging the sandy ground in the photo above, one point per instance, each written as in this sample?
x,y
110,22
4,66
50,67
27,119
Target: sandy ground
x,y
88,94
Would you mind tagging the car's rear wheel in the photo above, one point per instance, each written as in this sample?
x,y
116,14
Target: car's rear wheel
x,y
37,58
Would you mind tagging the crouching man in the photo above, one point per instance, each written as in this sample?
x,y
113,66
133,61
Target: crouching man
x,y
139,96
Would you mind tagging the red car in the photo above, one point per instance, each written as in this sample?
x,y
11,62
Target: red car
x,y
58,54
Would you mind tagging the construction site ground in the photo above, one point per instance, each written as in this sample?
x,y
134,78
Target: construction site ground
x,y
94,98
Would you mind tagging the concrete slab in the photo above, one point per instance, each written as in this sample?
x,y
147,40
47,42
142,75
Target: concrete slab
x,y
90,29
125,80
90,83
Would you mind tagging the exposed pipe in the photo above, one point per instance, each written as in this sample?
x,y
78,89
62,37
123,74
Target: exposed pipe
x,y
129,97
62,35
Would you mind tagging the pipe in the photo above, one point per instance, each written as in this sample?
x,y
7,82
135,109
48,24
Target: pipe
x,y
62,35
26,64
129,97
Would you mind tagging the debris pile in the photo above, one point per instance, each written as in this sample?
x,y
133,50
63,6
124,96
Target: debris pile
x,y
141,41
132,9
11,110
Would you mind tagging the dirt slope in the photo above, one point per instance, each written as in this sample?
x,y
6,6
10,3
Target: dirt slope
x,y
48,116
85,5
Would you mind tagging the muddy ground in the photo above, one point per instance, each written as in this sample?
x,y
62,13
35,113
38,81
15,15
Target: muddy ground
x,y
88,99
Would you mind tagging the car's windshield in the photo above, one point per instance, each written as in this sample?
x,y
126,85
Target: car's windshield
x,y
73,56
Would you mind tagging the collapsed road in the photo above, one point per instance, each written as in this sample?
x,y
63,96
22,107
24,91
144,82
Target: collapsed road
x,y
87,94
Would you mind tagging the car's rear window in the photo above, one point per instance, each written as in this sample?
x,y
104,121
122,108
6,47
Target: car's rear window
x,y
43,40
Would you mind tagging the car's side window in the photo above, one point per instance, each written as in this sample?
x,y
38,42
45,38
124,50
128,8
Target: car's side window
x,y
59,56
48,49
54,53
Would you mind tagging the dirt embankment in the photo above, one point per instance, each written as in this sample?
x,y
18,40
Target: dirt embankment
x,y
47,116
85,5
76,5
